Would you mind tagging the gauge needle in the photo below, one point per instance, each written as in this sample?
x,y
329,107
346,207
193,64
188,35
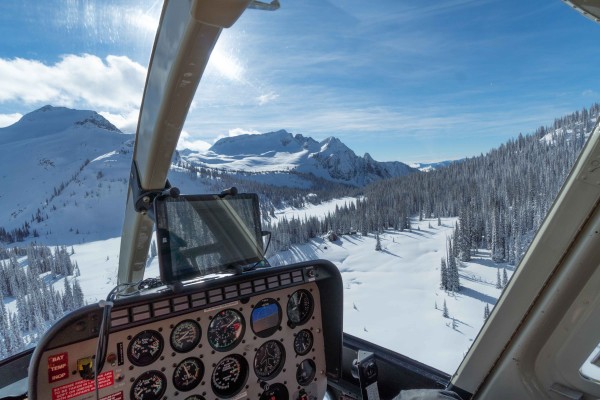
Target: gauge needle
x,y
229,324
187,371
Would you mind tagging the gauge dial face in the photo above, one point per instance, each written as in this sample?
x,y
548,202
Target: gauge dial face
x,y
265,318
229,376
306,372
150,385
188,374
185,336
303,342
300,307
145,348
226,330
269,360
276,391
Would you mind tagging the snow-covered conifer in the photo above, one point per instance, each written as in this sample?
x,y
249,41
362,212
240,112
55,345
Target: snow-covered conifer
x,y
498,281
68,303
444,276
78,299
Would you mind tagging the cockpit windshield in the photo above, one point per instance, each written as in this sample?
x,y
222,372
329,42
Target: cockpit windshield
x,y
416,145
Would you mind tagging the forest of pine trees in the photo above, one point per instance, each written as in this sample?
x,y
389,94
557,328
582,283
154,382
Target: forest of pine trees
x,y
38,304
500,198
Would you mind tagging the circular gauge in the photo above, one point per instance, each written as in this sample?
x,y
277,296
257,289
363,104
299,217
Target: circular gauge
x,y
145,348
276,391
300,307
185,336
303,342
226,330
306,372
150,385
269,359
188,374
265,318
195,397
229,376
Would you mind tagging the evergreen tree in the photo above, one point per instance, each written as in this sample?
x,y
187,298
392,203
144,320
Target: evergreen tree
x,y
486,311
504,278
444,276
453,276
445,310
498,281
68,303
78,299
15,336
378,244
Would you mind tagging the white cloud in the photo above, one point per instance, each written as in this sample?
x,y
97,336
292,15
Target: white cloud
x,y
126,122
266,98
589,93
241,131
9,119
187,142
84,81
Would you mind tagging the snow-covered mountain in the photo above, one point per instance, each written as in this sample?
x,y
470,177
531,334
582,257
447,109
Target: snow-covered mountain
x,y
72,165
283,151
428,167
65,172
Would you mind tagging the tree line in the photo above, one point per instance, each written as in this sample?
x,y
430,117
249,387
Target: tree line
x,y
500,198
38,303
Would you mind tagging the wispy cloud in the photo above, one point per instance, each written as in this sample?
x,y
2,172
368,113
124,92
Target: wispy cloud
x,y
241,131
126,122
266,98
9,119
187,142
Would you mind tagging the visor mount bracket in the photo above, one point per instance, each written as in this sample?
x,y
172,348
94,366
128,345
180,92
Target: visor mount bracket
x,y
144,198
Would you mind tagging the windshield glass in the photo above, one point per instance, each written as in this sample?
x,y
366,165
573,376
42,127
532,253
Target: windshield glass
x,y
417,146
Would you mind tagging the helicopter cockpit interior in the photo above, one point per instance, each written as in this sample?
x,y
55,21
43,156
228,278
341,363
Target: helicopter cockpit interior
x,y
220,323
258,333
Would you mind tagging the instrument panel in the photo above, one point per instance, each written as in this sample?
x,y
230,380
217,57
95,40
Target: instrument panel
x,y
277,340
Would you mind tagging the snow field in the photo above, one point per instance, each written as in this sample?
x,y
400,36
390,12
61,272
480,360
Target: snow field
x,y
391,297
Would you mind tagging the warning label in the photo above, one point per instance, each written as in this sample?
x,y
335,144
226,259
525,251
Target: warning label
x,y
83,386
114,396
58,367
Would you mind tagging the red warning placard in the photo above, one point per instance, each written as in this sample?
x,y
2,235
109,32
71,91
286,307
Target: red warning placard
x,y
58,367
83,386
114,396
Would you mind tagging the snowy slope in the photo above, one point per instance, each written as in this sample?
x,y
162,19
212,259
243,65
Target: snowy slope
x,y
391,297
428,167
48,157
65,172
282,151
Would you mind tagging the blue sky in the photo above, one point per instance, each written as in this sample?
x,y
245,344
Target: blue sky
x,y
401,80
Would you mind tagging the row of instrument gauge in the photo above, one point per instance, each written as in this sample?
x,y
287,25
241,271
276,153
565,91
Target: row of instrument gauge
x,y
268,346
270,334
226,330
